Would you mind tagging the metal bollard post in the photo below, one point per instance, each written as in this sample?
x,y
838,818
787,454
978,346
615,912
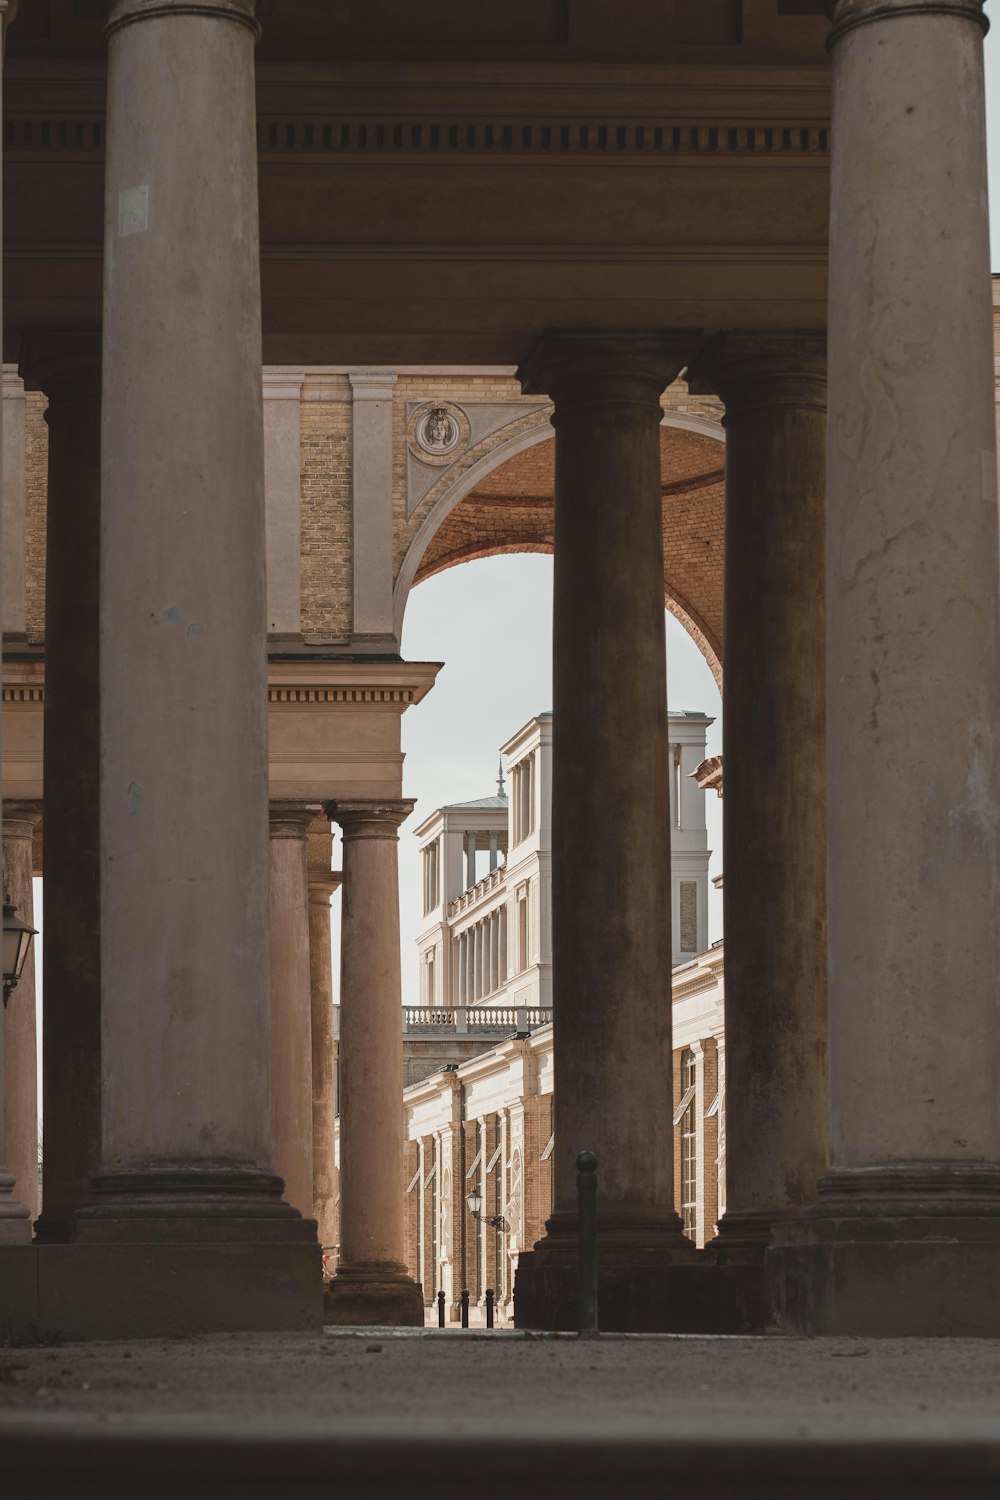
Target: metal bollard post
x,y
465,1307
440,1309
489,1307
586,1187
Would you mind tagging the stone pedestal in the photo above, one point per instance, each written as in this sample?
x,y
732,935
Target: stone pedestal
x,y
611,949
20,822
66,365
905,1235
774,388
323,881
291,1044
184,858
372,1284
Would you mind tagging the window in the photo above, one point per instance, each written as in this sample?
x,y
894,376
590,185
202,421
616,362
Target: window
x,y
430,996
689,1143
522,929
430,865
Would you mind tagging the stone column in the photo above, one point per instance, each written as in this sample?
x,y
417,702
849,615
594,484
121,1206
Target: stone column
x,y
184,862
15,1219
905,1235
774,387
372,1284
611,870
20,821
291,1004
322,883
67,367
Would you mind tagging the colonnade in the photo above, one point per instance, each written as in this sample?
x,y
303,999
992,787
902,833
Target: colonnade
x,y
482,957
863,957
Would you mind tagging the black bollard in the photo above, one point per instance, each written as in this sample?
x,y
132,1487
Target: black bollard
x,y
440,1309
586,1187
465,1307
489,1307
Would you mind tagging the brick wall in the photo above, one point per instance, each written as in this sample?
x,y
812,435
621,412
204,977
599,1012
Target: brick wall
x,y
327,521
36,439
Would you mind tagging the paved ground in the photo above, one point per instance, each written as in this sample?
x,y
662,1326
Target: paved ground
x,y
434,1404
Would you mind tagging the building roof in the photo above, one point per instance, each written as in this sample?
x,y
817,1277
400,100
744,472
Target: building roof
x,y
494,801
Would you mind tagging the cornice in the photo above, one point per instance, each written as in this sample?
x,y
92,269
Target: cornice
x,y
596,138
396,684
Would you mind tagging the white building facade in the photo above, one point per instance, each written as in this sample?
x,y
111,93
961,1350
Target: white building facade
x,y
486,938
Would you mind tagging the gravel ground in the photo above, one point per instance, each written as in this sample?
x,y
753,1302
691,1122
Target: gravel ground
x,y
467,1378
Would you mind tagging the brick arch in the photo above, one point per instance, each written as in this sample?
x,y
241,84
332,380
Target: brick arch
x,y
509,509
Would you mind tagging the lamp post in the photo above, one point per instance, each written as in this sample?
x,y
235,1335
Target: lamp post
x,y
17,936
475,1203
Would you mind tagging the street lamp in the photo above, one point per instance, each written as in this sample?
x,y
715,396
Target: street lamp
x,y
17,937
475,1203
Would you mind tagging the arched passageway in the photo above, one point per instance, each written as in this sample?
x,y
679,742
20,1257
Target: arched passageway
x,y
509,509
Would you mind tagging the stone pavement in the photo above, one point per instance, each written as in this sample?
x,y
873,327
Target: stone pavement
x,y
421,1413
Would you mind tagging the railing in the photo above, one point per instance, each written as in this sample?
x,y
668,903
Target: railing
x,y
476,892
463,1019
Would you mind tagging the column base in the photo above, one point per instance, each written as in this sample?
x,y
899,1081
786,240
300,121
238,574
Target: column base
x,y
730,1295
380,1295
891,1254
15,1218
187,1205
156,1290
646,1276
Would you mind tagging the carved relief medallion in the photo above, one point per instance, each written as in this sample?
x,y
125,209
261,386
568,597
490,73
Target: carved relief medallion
x,y
437,430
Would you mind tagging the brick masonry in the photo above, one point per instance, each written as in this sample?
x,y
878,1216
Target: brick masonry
x,y
508,511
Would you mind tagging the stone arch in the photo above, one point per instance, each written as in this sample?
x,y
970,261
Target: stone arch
x,y
502,504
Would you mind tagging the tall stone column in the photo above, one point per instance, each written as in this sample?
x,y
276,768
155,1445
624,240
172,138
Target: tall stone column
x,y
184,858
15,1218
905,1235
372,1284
611,946
774,836
20,821
66,366
291,1003
323,881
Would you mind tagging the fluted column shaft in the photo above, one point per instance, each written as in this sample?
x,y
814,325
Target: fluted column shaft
x,y
774,836
371,1284
184,900
611,869
322,883
20,822
66,365
291,1004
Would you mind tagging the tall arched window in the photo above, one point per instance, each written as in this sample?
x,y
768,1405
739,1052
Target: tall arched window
x,y
689,1144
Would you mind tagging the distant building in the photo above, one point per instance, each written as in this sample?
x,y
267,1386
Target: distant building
x,y
487,875
478,1047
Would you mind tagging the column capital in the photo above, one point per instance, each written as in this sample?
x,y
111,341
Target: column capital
x,y
323,884
20,818
63,363
371,819
291,820
124,12
762,368
597,366
847,15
